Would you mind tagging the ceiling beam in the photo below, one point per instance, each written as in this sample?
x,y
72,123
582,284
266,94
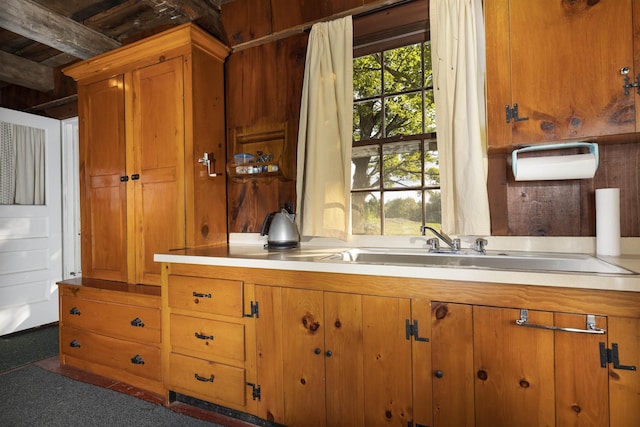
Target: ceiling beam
x,y
23,72
35,22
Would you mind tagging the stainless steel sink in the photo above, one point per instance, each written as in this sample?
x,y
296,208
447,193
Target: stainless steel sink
x,y
523,261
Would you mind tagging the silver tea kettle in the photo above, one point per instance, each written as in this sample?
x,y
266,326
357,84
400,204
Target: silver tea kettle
x,y
281,230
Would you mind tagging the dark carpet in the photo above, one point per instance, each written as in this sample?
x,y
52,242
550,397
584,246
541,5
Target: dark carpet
x,y
32,396
29,346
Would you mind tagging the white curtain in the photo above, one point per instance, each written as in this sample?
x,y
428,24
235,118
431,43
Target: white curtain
x,y
22,157
324,137
458,56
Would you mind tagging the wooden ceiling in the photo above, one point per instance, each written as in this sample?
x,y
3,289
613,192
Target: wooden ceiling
x,y
39,37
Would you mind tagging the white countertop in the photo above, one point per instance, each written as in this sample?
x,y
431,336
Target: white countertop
x,y
248,252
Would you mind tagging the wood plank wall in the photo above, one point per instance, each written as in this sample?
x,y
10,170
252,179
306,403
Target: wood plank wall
x,y
264,84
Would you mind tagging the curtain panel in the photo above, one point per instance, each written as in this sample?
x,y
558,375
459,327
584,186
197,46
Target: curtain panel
x,y
325,134
458,57
22,157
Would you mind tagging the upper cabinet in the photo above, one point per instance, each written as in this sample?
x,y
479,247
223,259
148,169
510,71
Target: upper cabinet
x,y
152,152
556,70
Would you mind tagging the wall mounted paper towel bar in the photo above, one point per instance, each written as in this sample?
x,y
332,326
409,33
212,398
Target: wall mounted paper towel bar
x,y
571,166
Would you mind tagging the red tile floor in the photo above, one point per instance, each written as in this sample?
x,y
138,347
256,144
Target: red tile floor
x,y
53,364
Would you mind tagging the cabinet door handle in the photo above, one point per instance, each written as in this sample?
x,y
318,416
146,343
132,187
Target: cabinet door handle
x,y
135,176
74,344
75,311
590,328
137,322
137,360
203,379
124,178
199,295
203,337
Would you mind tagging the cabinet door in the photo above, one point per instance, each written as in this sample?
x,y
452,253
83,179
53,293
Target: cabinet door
x,y
560,62
102,192
624,380
514,379
452,360
158,167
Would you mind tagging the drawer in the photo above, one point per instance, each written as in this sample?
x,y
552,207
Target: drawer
x,y
210,381
215,296
209,338
136,359
118,320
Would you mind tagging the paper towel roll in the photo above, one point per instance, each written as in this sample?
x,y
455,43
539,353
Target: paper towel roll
x,y
608,221
574,166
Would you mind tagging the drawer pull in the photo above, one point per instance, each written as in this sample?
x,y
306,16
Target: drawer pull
x,y
203,337
590,326
137,360
75,311
199,295
137,322
203,379
74,344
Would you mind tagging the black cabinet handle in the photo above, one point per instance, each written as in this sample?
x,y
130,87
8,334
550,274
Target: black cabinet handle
x,y
135,176
74,344
137,360
124,178
203,379
328,353
203,337
75,311
317,350
199,295
137,322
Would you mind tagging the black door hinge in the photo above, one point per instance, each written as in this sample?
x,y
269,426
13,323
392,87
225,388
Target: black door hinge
x,y
255,391
611,356
512,114
254,310
411,330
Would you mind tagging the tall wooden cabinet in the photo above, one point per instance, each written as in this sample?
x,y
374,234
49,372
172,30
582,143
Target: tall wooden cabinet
x,y
149,112
556,70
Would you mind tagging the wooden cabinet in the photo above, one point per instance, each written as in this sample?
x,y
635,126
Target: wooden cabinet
x,y
112,330
547,371
149,112
208,353
559,63
334,359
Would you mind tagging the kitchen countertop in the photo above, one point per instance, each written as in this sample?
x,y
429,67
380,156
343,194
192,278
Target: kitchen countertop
x,y
308,257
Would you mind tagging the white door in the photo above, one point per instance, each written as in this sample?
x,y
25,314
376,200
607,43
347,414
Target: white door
x,y
31,241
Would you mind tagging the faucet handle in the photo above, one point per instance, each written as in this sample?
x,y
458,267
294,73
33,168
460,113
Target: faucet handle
x,y
455,244
434,244
480,244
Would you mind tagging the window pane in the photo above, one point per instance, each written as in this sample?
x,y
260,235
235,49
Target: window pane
x,y
403,115
428,68
433,211
367,120
402,164
365,167
403,69
367,76
429,112
431,166
402,213
365,211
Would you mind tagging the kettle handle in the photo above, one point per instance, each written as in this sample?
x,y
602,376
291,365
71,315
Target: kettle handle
x,y
266,223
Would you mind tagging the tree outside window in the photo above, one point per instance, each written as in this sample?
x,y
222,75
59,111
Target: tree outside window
x,y
395,185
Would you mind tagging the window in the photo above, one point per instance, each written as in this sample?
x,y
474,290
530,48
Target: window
x,y
395,185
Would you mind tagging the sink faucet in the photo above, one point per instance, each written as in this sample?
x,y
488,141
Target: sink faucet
x,y
454,244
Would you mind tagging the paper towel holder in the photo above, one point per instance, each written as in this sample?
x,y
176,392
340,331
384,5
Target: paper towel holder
x,y
592,146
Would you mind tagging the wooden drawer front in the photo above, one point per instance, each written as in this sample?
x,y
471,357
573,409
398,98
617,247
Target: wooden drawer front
x,y
206,380
137,359
215,296
209,338
125,321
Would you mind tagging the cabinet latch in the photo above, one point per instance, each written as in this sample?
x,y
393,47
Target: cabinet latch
x,y
254,310
611,356
512,114
255,391
628,84
411,330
